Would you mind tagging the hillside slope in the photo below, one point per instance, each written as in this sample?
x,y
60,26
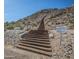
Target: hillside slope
x,y
54,17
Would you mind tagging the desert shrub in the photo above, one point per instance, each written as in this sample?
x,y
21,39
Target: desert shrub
x,y
10,27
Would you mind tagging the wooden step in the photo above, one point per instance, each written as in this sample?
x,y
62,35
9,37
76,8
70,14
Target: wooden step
x,y
38,35
35,50
37,44
36,41
35,37
36,47
38,31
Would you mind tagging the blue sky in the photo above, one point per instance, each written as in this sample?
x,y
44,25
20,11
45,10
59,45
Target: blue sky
x,y
17,9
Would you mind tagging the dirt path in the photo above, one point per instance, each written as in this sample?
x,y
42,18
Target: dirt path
x,y
14,53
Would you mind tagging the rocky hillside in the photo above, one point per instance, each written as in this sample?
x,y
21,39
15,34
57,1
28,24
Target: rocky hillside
x,y
53,18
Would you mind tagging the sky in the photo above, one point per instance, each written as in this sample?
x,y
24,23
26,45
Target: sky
x,y
17,9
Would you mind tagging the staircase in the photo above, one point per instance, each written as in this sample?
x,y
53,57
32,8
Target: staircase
x,y
36,41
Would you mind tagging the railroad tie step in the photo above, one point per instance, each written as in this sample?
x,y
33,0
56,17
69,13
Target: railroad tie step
x,y
36,37
35,50
36,47
37,44
36,41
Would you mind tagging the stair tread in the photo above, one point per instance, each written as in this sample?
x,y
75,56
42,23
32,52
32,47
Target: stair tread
x,y
37,31
35,41
37,44
39,40
36,37
36,47
35,50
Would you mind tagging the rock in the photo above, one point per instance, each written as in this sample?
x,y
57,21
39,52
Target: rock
x,y
17,28
51,35
68,50
12,36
